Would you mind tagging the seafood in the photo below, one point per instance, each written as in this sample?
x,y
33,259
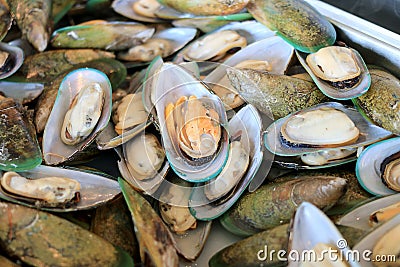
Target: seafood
x,y
233,171
372,213
297,22
163,43
272,204
83,114
390,171
48,191
323,157
384,214
6,19
19,146
192,124
129,113
43,239
381,241
178,218
370,167
139,10
275,95
112,222
214,46
281,138
95,189
115,36
210,23
208,7
308,219
319,127
335,64
387,245
216,196
11,59
154,238
55,151
33,19
114,70
145,164
347,78
200,131
46,66
381,103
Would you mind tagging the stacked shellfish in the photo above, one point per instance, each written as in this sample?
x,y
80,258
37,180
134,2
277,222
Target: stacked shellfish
x,y
197,125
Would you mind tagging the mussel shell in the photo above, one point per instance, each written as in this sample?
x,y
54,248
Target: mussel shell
x,y
360,88
252,31
307,221
23,92
175,37
246,124
369,133
20,149
95,189
368,242
360,216
311,31
13,62
171,83
124,8
54,150
272,49
368,167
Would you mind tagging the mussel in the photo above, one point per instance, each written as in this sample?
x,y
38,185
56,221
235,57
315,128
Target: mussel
x,y
81,111
192,123
47,191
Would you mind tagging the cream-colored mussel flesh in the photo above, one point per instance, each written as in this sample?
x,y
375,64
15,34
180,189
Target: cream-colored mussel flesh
x,y
388,244
235,168
146,8
129,113
48,191
214,46
148,51
390,171
198,126
178,218
321,127
144,156
83,114
336,65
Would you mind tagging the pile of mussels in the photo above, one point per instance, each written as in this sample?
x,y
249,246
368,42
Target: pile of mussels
x,y
247,114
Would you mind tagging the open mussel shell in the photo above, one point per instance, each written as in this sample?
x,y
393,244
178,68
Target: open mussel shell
x,y
95,189
368,167
11,59
273,50
251,31
146,159
340,94
307,221
385,234
361,217
173,82
55,151
173,195
23,92
317,160
247,126
368,133
165,42
125,8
